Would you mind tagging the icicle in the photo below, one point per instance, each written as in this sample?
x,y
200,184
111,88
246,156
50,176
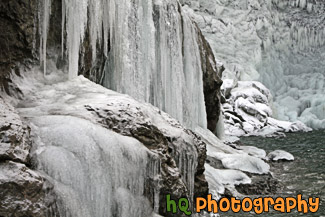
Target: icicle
x,y
76,20
45,20
63,28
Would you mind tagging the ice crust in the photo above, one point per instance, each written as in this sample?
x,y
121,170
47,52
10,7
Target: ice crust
x,y
83,159
280,43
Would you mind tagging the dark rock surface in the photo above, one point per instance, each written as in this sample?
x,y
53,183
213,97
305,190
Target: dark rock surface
x,y
212,81
261,185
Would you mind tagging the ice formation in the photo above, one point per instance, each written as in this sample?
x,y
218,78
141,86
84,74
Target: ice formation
x,y
150,47
95,171
280,155
83,159
279,43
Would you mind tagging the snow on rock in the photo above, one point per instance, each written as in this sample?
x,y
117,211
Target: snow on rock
x,y
227,164
244,163
228,177
247,111
278,155
230,157
218,178
253,151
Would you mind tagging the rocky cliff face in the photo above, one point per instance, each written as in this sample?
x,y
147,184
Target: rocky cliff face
x,y
212,73
16,37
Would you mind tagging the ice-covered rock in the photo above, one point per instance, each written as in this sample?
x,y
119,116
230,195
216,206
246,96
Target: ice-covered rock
x,y
227,166
244,163
23,191
248,111
219,178
72,116
232,158
278,155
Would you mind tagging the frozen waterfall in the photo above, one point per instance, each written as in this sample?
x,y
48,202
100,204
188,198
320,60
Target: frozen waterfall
x,y
96,172
150,48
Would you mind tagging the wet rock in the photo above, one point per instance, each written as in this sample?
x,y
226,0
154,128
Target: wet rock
x,y
261,185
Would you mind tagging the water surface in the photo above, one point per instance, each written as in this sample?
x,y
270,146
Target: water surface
x,y
305,175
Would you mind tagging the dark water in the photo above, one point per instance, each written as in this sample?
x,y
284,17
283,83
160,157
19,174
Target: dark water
x,y
305,175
